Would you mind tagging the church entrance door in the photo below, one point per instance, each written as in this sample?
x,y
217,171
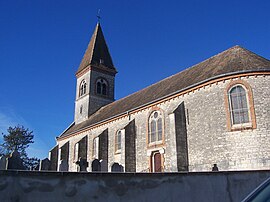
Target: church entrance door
x,y
156,162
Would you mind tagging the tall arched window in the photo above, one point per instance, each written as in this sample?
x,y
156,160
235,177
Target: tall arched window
x,y
102,87
82,88
95,147
239,104
155,127
118,138
98,87
76,152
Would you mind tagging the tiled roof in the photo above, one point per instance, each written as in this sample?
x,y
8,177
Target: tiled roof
x,y
233,60
97,51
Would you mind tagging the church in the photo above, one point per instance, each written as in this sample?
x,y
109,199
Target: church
x,y
216,113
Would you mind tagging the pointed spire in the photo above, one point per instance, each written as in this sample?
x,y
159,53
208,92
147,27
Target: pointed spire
x,y
97,52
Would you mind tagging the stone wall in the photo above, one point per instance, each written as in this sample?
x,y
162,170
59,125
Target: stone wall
x,y
98,101
210,141
27,186
103,147
181,138
54,158
83,101
130,147
207,138
82,150
91,102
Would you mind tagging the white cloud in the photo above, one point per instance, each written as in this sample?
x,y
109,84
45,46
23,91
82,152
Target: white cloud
x,y
8,117
5,122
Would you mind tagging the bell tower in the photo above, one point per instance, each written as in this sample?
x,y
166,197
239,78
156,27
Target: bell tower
x,y
95,78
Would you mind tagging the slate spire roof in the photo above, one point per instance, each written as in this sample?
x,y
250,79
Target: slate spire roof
x,y
235,60
97,52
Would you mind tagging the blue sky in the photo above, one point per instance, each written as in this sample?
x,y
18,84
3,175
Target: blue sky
x,y
43,42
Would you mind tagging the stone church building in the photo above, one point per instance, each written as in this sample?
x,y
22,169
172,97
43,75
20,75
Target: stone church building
x,y
215,112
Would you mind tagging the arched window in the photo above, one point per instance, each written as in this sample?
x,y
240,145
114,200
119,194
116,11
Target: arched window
x,y
82,88
81,109
98,87
95,147
118,138
239,104
76,152
102,87
155,127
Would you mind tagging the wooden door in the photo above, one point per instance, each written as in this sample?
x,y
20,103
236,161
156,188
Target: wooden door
x,y
157,162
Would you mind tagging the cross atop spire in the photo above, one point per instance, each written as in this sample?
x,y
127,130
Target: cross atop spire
x,y
98,16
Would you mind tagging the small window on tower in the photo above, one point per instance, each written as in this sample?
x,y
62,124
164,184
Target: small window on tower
x,y
101,61
81,109
102,87
98,88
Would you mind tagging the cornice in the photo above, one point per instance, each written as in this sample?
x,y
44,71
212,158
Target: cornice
x,y
97,68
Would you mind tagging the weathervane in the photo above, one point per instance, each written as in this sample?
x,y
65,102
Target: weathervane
x,y
98,16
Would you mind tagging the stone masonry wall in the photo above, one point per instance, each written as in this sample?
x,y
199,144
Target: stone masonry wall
x,y
208,139
130,147
181,138
68,186
54,158
82,101
97,101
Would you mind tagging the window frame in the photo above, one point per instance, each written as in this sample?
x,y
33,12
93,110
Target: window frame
x,y
251,124
82,88
117,150
100,83
158,140
241,100
153,162
81,109
76,152
151,159
95,148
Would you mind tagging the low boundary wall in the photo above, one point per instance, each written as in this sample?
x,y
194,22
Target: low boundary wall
x,y
69,186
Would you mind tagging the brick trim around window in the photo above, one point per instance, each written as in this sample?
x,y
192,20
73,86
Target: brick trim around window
x,y
252,122
158,143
